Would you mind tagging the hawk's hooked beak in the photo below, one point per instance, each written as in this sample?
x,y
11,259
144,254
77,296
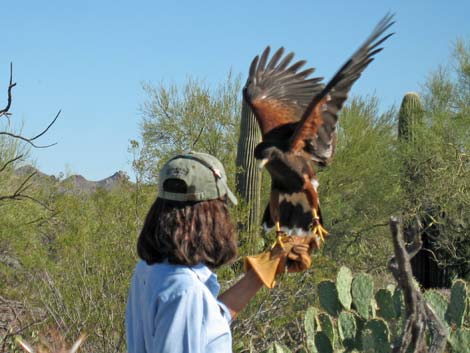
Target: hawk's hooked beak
x,y
263,163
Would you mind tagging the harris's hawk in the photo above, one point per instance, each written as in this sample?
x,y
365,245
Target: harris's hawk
x,y
298,116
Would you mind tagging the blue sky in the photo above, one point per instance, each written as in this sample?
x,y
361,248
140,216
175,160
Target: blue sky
x,y
89,59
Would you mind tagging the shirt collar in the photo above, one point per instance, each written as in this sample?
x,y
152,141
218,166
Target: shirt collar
x,y
206,276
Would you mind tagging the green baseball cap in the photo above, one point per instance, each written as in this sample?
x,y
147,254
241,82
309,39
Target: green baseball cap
x,y
203,175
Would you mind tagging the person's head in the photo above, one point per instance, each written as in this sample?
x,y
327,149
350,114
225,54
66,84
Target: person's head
x,y
189,222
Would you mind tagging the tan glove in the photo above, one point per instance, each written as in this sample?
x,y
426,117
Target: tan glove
x,y
291,254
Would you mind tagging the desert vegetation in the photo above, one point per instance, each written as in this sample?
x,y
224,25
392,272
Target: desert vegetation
x,y
66,258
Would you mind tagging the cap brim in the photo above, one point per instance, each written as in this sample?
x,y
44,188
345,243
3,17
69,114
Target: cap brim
x,y
231,197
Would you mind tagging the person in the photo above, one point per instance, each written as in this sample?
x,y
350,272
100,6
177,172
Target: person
x,y
174,304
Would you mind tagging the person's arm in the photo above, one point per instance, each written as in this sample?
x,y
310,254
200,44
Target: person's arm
x,y
237,297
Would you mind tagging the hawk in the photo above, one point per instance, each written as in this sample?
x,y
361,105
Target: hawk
x,y
297,116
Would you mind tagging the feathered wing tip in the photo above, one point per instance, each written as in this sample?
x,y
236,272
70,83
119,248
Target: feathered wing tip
x,y
334,94
278,88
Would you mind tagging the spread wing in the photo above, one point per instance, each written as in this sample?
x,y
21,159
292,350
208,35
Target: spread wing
x,y
277,92
317,130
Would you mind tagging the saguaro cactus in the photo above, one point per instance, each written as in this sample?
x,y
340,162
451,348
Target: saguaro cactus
x,y
409,116
248,173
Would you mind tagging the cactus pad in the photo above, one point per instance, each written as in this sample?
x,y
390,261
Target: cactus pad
x,y
362,293
309,325
329,297
460,341
384,299
376,337
343,286
327,326
437,302
323,343
347,328
458,303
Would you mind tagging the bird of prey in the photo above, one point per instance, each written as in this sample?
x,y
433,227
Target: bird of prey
x,y
298,116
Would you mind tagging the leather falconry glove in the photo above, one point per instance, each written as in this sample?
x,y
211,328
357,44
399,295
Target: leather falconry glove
x,y
289,253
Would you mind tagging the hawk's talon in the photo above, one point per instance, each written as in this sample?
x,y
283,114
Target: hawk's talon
x,y
319,232
279,240
279,237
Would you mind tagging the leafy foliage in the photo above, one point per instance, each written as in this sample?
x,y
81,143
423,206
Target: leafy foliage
x,y
193,117
73,260
438,166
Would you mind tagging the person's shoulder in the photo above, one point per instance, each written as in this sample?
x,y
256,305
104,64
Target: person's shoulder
x,y
171,280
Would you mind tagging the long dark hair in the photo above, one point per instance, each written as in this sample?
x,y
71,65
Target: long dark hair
x,y
188,233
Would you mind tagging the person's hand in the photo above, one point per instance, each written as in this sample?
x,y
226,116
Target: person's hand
x,y
289,253
298,259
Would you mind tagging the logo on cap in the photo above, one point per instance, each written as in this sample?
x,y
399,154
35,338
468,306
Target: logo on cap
x,y
177,172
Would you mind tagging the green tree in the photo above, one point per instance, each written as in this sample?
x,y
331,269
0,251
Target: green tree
x,y
359,190
192,117
439,182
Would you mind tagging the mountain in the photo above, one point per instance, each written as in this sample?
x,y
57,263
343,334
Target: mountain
x,y
75,183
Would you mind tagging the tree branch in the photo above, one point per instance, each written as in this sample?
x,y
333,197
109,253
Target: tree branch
x,y
419,315
10,161
5,110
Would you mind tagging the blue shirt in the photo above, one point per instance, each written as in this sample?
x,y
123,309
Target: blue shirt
x,y
174,309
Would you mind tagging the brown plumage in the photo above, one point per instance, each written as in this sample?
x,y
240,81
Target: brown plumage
x,y
298,116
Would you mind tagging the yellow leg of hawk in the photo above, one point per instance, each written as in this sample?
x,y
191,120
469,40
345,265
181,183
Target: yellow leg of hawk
x,y
279,236
274,209
318,231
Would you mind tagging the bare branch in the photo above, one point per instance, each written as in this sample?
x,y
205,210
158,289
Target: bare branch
x,y
10,161
25,139
196,140
419,314
19,193
31,139
5,110
47,128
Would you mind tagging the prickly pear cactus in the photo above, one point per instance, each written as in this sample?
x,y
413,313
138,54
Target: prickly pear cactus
x,y
384,299
327,326
437,302
399,301
310,328
362,293
323,343
347,328
329,297
359,330
460,341
376,337
458,303
343,287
